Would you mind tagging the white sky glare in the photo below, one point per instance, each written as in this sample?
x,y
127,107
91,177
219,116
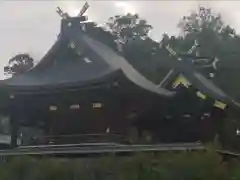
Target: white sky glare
x,y
127,7
32,26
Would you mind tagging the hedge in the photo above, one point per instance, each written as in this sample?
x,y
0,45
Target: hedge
x,y
142,166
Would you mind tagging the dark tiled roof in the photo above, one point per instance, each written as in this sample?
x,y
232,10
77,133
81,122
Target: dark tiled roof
x,y
78,59
197,79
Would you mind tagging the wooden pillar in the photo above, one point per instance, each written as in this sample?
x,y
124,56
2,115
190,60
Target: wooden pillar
x,y
14,130
14,121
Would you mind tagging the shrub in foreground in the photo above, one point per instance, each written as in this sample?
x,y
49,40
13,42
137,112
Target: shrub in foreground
x,y
161,166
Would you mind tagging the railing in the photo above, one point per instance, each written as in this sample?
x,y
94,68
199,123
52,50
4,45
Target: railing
x,y
77,138
81,150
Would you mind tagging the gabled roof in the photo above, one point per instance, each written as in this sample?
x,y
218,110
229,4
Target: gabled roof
x,y
197,79
77,59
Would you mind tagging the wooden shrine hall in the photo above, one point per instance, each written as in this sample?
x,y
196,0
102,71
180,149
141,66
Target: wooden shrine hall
x,y
79,86
82,86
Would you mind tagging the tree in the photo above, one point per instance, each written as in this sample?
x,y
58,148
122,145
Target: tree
x,y
202,26
201,20
101,34
128,27
134,43
213,35
19,64
216,39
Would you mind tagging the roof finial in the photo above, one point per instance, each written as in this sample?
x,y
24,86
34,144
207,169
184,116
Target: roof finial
x,y
66,15
61,13
83,10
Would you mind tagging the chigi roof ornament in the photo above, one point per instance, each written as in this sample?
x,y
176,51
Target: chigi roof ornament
x,y
72,24
61,13
84,9
65,15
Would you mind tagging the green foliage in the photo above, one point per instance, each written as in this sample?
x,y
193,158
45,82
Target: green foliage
x,y
203,19
215,39
165,166
19,64
129,26
214,36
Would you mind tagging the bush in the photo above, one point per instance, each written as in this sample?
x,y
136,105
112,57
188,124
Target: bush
x,y
141,166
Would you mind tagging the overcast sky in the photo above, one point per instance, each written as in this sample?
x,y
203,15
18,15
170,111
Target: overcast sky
x,y
32,26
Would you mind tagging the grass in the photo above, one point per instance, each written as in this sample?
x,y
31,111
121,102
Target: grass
x,y
161,166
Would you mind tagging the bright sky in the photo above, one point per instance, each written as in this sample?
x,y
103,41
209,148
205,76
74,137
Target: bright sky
x,y
32,26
